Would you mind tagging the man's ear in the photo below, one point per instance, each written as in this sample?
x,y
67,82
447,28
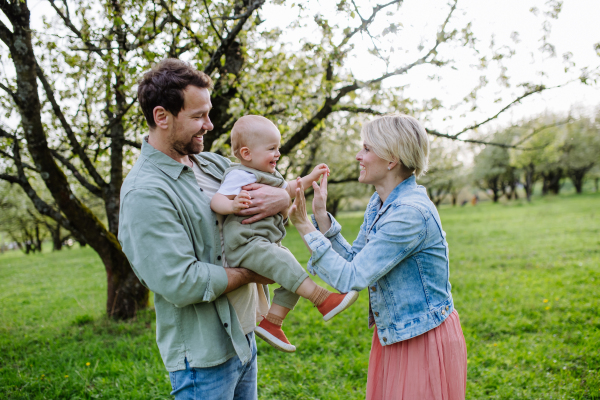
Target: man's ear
x,y
161,117
245,153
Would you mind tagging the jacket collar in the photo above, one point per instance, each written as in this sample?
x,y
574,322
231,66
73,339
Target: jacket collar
x,y
406,185
165,163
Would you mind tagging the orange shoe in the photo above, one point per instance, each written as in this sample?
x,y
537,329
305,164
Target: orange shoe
x,y
274,335
336,303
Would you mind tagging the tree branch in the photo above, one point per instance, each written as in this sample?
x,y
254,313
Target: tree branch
x,y
93,189
330,102
211,21
179,22
132,144
77,149
226,42
10,92
5,34
67,20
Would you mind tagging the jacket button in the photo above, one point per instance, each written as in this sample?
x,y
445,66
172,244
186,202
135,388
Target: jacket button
x,y
373,288
218,257
376,314
225,325
216,222
447,308
443,312
385,339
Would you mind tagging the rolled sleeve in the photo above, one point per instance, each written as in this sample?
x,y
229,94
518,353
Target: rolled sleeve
x,y
335,228
396,238
161,253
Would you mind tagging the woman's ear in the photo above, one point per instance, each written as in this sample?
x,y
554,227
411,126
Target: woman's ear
x,y
391,165
245,153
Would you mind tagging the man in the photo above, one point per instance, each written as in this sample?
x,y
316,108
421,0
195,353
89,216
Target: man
x,y
205,313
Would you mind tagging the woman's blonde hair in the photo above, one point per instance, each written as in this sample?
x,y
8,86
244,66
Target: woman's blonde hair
x,y
399,137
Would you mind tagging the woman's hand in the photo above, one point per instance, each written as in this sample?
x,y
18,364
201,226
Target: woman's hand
x,y
319,205
298,214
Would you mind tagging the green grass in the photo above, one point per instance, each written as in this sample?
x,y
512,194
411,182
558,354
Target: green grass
x,y
525,282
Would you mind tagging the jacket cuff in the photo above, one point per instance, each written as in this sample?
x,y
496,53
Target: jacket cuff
x,y
218,282
315,240
335,226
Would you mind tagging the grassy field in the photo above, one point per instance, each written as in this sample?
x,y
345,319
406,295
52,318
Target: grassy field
x,y
525,282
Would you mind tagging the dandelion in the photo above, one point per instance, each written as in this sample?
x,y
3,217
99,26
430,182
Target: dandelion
x,y
556,299
495,345
547,308
545,300
66,376
87,364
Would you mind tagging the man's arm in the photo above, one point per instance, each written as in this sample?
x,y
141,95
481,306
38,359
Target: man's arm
x,y
266,201
237,277
162,255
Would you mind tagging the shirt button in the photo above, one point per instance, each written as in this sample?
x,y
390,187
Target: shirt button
x,y
225,325
376,314
202,190
385,339
373,289
218,257
216,222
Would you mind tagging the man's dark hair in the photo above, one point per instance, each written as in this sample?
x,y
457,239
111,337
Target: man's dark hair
x,y
164,84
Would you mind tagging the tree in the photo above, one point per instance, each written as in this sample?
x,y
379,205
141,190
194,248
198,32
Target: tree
x,y
71,86
446,175
580,149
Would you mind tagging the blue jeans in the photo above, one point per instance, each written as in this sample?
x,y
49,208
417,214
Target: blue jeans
x,y
228,381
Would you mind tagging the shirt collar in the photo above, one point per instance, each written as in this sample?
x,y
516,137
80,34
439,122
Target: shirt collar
x,y
162,161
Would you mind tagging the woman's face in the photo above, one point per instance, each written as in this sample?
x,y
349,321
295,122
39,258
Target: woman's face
x,y
373,169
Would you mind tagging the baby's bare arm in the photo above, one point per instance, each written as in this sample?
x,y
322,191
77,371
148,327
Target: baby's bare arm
x,y
226,205
321,169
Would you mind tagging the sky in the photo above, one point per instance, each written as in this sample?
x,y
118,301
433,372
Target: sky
x,y
576,31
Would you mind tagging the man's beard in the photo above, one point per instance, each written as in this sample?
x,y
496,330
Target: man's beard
x,y
185,148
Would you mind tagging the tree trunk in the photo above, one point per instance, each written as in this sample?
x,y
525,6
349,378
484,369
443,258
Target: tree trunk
x,y
596,184
552,181
577,177
125,293
529,170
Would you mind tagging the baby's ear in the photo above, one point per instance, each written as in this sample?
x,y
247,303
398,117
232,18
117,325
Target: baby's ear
x,y
245,153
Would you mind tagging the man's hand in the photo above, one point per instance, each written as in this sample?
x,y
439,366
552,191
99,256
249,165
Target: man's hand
x,y
237,277
266,201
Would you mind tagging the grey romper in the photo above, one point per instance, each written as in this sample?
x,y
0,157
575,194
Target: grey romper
x,y
257,246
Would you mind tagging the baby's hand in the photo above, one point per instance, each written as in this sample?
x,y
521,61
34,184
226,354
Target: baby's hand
x,y
241,201
321,169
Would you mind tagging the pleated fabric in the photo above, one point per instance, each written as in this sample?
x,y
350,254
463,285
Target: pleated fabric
x,y
431,366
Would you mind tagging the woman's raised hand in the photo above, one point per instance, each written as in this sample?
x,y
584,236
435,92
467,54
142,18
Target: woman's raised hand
x,y
319,204
298,214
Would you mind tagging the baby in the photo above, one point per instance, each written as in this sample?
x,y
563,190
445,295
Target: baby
x,y
255,141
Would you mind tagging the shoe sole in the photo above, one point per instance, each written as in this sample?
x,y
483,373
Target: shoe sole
x,y
347,302
273,341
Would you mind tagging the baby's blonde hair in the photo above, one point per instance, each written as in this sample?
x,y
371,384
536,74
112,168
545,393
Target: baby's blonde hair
x,y
399,137
245,130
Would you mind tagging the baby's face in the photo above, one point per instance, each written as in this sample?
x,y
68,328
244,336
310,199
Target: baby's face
x,y
264,148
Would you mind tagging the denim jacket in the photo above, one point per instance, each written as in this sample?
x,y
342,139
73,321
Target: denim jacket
x,y
400,255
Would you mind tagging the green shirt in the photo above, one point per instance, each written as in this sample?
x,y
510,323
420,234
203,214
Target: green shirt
x,y
171,238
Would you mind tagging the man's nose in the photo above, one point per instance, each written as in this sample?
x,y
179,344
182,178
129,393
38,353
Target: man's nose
x,y
208,125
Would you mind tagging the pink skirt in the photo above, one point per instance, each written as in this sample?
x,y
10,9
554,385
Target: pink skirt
x,y
431,366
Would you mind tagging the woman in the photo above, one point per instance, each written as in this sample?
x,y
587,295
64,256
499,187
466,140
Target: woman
x,y
401,256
